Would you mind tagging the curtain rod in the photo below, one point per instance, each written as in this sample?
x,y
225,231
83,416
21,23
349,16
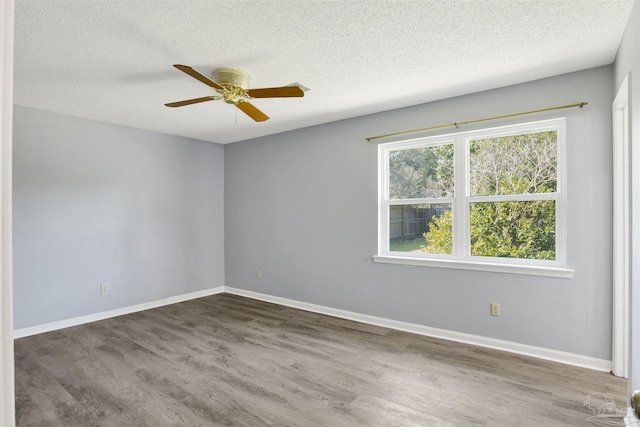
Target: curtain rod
x,y
580,104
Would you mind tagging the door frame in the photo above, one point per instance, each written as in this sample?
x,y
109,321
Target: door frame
x,y
7,377
621,254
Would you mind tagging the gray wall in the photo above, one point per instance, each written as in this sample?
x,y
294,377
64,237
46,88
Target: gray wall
x,y
97,203
302,208
628,62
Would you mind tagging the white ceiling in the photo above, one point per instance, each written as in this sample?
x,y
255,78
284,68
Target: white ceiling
x,y
112,60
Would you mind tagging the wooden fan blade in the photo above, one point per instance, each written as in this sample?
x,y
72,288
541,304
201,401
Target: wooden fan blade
x,y
276,92
196,75
192,101
251,111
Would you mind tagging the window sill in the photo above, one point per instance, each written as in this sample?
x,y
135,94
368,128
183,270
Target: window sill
x,y
565,273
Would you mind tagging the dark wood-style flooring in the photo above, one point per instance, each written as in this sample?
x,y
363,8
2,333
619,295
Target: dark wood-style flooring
x,y
228,360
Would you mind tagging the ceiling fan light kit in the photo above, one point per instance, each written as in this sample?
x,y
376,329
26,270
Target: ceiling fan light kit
x,y
231,85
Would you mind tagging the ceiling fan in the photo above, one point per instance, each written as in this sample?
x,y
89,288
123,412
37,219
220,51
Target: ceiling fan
x,y
231,85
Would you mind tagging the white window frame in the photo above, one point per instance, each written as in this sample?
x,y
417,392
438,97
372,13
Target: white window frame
x,y
461,202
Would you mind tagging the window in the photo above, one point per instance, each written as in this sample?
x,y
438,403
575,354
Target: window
x,y
491,199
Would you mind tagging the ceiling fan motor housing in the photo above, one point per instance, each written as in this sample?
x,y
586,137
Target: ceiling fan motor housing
x,y
231,76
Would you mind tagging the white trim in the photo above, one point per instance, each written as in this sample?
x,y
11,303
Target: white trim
x,y
621,232
510,346
461,257
7,392
529,270
503,345
48,327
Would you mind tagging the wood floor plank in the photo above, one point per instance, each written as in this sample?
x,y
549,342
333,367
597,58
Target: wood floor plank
x,y
211,381
229,360
61,363
49,395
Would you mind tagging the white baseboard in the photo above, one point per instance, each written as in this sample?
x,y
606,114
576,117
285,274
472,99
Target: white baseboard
x,y
48,327
497,344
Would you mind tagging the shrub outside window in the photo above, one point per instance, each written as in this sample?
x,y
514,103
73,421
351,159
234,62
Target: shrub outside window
x,y
477,199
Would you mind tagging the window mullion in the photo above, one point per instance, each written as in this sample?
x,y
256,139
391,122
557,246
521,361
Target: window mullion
x,y
461,209
383,226
561,198
514,197
425,201
383,200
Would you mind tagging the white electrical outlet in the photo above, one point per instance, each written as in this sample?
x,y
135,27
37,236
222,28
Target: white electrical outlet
x,y
495,309
258,274
192,275
104,289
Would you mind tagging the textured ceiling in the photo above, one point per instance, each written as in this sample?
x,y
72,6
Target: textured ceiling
x,y
112,60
